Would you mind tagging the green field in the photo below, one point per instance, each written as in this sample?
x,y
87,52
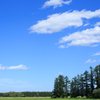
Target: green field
x,y
39,98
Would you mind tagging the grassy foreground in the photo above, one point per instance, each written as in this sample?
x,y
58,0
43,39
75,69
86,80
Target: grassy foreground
x,y
39,98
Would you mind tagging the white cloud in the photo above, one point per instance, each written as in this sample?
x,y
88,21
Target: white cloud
x,y
98,53
17,67
88,37
13,67
9,81
57,22
97,24
95,45
56,3
62,46
60,73
1,67
99,59
90,61
86,24
7,84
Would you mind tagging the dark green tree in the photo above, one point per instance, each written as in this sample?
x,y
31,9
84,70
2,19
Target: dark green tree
x,y
97,76
61,85
78,85
72,88
81,85
55,92
91,80
86,80
66,86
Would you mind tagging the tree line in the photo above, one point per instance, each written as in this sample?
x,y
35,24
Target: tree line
x,y
86,84
26,94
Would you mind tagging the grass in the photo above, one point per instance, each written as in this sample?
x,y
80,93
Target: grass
x,y
39,98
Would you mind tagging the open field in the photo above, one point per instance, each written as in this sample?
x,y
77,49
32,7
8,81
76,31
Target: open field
x,y
39,98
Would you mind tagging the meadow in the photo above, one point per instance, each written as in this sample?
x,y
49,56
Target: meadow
x,y
40,98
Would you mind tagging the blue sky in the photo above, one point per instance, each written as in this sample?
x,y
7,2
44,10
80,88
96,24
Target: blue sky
x,y
41,39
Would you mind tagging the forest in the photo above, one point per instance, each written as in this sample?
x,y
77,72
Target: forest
x,y
84,85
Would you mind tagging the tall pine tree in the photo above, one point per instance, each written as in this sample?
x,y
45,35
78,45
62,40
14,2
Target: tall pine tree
x,y
61,85
66,86
86,80
91,80
97,76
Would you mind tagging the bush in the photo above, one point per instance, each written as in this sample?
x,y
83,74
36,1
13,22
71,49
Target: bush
x,y
78,97
68,97
89,96
84,97
53,97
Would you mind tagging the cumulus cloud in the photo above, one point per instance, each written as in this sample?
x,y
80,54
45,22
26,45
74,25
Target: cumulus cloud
x,y
13,67
98,53
56,3
57,22
88,37
97,24
90,61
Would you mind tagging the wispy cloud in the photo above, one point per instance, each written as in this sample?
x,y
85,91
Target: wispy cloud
x,y
56,3
17,67
86,24
7,84
97,24
1,67
9,81
88,37
13,67
60,73
98,53
57,22
62,46
90,61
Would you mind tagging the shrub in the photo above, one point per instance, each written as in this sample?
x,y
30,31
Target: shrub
x,y
84,97
89,96
68,97
53,96
78,97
